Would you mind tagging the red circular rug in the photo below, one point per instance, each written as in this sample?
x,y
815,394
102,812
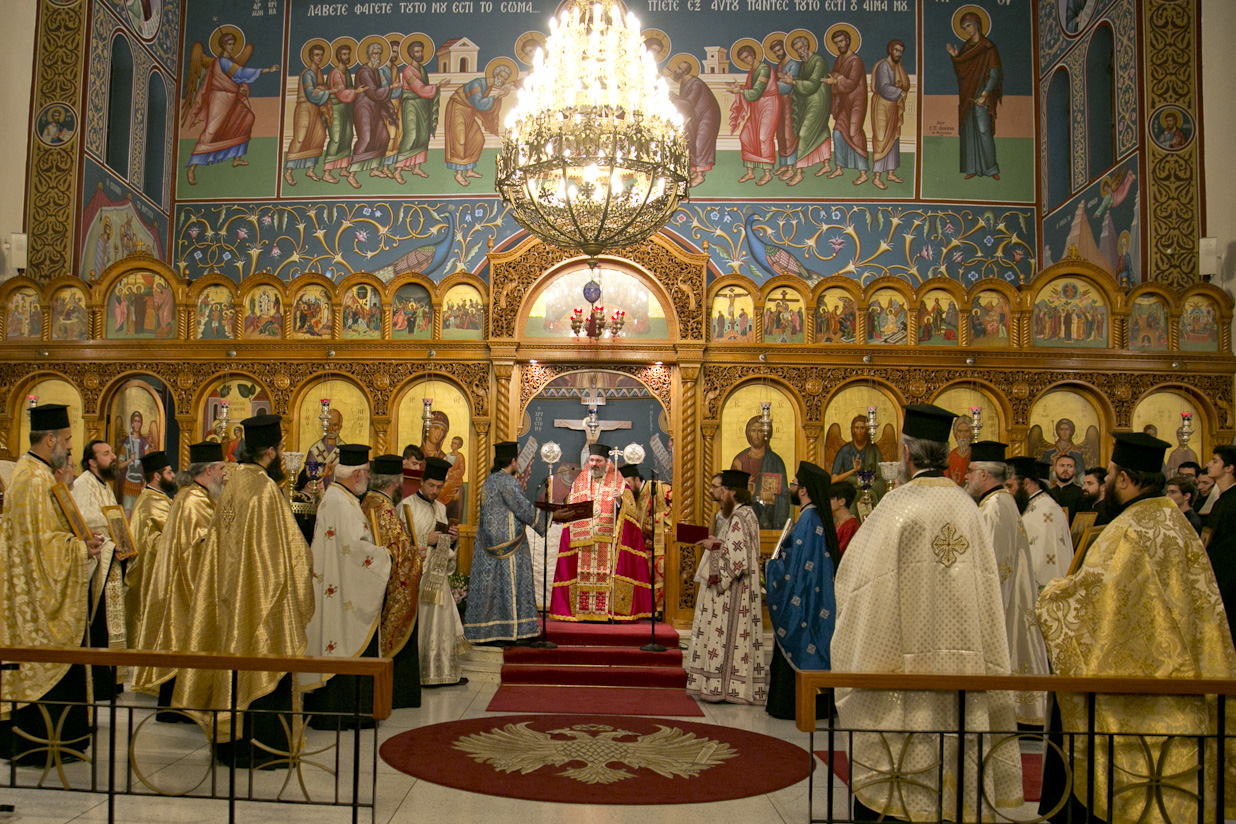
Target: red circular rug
x,y
590,759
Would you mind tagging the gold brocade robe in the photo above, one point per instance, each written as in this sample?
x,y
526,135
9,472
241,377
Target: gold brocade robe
x,y
253,595
655,504
45,574
170,580
1143,604
399,609
146,523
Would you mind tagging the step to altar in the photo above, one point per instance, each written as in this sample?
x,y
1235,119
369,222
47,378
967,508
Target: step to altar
x,y
598,655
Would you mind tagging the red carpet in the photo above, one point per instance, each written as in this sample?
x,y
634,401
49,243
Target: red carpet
x,y
596,700
591,759
1031,772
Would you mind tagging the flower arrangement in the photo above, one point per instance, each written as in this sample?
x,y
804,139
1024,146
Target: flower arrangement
x,y
458,582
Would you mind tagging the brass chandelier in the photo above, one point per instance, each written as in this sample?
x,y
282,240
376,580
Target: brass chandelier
x,y
594,154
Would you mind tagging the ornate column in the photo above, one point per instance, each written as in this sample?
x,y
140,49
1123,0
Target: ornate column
x,y
187,436
502,406
381,431
812,429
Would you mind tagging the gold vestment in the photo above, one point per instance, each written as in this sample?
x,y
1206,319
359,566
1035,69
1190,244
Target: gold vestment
x,y
1144,604
169,581
146,524
45,572
399,609
253,594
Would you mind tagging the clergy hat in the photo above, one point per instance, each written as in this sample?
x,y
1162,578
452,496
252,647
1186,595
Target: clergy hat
x,y
49,417
261,431
386,465
1139,452
735,478
630,471
204,452
154,462
436,469
806,468
931,423
598,449
987,451
505,452
1025,466
353,454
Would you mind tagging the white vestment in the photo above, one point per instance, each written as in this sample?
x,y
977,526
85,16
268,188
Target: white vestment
x,y
919,592
441,631
1027,651
349,581
107,584
1051,543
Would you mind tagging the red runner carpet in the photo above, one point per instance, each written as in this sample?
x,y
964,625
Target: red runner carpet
x,y
597,668
1031,772
591,759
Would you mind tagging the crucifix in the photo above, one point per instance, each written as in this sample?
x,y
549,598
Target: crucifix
x,y
591,425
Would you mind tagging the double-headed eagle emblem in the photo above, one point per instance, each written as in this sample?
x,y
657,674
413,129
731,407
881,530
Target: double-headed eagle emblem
x,y
669,751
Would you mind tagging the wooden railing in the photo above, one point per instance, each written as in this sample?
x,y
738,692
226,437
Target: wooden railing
x,y
379,669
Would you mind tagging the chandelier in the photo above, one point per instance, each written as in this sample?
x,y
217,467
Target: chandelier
x,y
594,155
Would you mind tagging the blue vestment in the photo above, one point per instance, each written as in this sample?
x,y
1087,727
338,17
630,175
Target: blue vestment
x,y
800,594
501,594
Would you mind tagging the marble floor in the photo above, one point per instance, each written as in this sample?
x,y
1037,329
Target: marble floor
x,y
174,758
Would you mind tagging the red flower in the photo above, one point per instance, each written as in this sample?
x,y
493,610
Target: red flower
x,y
331,590
330,533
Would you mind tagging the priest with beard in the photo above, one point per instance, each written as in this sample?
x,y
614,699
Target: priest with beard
x,y
919,592
800,593
397,627
501,595
92,491
1047,528
254,596
350,571
46,570
602,571
146,523
441,630
173,570
725,660
1027,655
1143,601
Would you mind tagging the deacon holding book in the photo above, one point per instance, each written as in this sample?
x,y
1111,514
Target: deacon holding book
x,y
725,661
254,595
441,632
397,628
350,571
46,569
146,523
602,571
501,595
174,567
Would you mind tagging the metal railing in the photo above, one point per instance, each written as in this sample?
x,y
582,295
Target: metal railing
x,y
119,778
1153,796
